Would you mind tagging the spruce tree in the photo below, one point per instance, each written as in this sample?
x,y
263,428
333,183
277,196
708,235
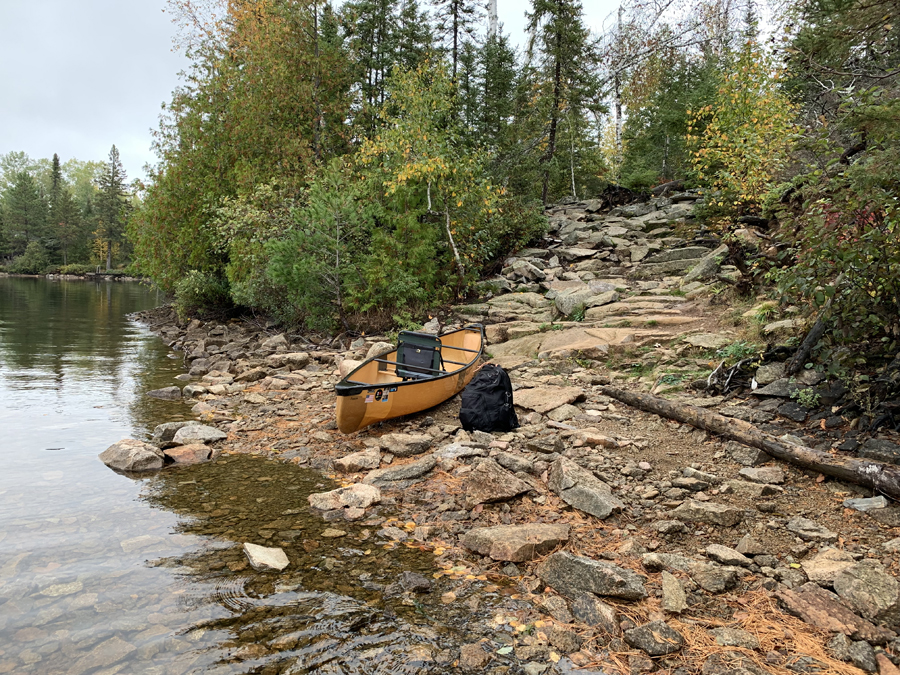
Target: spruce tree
x,y
498,76
24,213
112,204
456,23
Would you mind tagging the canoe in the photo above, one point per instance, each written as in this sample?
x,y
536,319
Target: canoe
x,y
422,372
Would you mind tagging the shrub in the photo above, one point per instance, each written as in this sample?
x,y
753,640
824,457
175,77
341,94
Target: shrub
x,y
79,269
201,293
32,261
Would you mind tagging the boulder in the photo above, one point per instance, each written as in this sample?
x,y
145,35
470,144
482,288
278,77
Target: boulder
x,y
579,488
708,265
402,472
252,375
193,390
198,433
488,482
358,495
823,610
295,360
348,366
515,543
195,453
132,455
545,399
164,434
573,575
367,459
274,342
265,559
693,511
379,349
172,393
406,445
656,638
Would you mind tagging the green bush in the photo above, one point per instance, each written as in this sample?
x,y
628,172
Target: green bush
x,y
32,261
79,269
201,293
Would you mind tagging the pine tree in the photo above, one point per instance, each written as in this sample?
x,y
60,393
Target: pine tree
x,y
24,213
498,75
456,21
112,204
566,59
414,35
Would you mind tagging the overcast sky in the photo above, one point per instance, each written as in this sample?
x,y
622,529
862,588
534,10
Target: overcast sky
x,y
78,77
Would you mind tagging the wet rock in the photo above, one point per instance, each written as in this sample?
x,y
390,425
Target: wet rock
x,y
591,610
674,598
198,433
488,482
403,472
515,543
166,393
771,475
870,590
472,657
194,453
656,638
367,459
163,434
105,654
406,445
727,556
132,455
265,559
694,511
358,496
579,488
823,567
823,610
415,583
573,575
734,637
545,399
809,530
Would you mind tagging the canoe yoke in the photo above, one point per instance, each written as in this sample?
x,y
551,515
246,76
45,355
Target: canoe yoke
x,y
418,355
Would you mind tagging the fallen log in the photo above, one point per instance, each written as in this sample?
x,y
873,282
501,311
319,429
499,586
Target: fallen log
x,y
879,476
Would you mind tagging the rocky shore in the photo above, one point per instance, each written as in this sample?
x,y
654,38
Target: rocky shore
x,y
633,543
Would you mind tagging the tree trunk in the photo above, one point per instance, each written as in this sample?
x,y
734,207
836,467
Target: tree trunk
x,y
554,116
884,478
108,256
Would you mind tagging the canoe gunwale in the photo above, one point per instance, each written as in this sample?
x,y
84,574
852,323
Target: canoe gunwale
x,y
349,387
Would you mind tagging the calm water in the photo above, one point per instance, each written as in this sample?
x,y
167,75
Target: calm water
x,y
100,573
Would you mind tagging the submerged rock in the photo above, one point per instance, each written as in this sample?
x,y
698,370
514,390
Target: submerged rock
x,y
132,455
195,453
358,496
172,393
262,558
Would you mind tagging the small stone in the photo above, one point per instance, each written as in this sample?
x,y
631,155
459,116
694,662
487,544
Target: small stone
x,y
164,433
769,475
545,399
694,511
473,657
735,637
713,578
262,558
809,530
749,546
768,373
746,455
332,533
579,488
365,460
358,495
488,483
656,638
674,599
589,609
415,583
403,472
406,445
866,504
727,556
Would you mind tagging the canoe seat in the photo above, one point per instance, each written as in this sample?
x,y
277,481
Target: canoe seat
x,y
418,355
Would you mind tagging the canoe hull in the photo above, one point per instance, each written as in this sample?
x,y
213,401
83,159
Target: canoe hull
x,y
359,405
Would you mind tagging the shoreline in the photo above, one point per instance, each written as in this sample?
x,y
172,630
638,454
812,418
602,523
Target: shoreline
x,y
708,542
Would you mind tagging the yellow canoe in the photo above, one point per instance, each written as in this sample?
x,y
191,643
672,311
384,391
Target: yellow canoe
x,y
423,371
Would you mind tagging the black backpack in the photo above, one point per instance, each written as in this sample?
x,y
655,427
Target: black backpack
x,y
487,401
